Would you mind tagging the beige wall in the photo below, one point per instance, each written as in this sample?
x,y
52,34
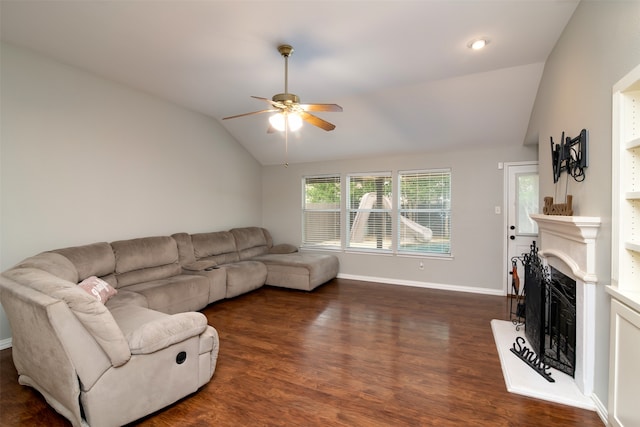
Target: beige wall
x,y
477,232
600,45
85,160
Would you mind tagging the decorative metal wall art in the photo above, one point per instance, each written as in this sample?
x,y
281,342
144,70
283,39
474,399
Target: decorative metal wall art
x,y
570,156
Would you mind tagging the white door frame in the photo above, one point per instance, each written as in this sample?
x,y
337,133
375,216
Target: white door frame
x,y
506,263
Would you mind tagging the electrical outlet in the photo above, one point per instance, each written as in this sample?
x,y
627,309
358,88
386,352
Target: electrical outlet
x,y
421,265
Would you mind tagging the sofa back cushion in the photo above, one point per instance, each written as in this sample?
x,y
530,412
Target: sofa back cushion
x,y
250,241
96,259
185,248
53,263
218,246
145,259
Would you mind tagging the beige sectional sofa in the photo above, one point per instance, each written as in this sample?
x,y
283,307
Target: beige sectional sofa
x,y
107,362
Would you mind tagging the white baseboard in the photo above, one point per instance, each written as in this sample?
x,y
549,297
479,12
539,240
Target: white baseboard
x,y
5,343
416,284
601,410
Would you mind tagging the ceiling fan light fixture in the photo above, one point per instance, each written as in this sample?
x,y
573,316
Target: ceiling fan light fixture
x,y
294,121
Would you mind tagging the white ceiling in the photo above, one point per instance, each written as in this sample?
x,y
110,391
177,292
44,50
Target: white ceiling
x,y
400,69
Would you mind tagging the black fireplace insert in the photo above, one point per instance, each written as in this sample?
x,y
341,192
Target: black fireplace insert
x,y
550,325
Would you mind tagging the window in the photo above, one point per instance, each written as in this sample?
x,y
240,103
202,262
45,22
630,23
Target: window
x,y
424,212
321,211
526,203
369,212
416,222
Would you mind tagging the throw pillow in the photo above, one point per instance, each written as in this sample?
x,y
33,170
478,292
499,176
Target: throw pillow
x,y
98,288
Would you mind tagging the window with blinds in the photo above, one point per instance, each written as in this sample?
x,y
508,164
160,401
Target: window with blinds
x,y
321,211
424,212
369,212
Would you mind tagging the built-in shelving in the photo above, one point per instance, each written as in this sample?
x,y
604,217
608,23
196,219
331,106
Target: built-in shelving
x,y
633,143
626,184
624,368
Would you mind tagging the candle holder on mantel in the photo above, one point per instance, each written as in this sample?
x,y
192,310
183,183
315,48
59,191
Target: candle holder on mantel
x,y
564,209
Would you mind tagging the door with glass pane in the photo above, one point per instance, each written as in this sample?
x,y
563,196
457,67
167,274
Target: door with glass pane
x,y
522,200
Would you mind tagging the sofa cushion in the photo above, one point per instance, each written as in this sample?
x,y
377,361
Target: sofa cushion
x,y
145,259
174,294
136,254
218,246
126,297
185,248
244,276
300,270
250,242
148,274
96,259
97,288
53,263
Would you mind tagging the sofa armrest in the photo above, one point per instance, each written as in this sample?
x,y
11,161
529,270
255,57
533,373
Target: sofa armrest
x,y
165,331
283,248
202,265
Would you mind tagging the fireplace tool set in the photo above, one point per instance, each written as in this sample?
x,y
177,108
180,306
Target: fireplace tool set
x,y
517,298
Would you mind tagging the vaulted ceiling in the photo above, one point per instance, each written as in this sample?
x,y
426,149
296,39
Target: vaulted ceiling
x,y
401,70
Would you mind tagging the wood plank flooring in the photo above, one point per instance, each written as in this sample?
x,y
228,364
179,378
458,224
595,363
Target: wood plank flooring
x,y
349,353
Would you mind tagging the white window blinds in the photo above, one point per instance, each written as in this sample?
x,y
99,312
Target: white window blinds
x,y
424,207
369,212
321,211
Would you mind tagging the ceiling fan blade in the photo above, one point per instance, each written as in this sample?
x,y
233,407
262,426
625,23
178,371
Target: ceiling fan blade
x,y
317,121
249,114
262,99
276,104
321,107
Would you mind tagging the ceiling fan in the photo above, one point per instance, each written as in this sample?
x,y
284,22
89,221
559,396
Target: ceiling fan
x,y
289,112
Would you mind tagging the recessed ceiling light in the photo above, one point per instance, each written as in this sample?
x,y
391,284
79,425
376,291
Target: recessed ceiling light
x,y
477,44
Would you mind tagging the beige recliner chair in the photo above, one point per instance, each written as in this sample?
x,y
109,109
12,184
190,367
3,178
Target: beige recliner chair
x,y
99,366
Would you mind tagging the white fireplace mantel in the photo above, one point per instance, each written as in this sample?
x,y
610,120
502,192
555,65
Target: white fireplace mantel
x,y
570,242
572,239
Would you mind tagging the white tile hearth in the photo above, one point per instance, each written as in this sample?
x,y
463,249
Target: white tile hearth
x,y
522,379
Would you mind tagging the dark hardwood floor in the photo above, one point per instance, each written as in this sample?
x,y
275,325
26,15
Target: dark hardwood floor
x,y
349,353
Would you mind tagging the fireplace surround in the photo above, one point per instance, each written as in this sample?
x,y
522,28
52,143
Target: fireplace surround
x,y
568,245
